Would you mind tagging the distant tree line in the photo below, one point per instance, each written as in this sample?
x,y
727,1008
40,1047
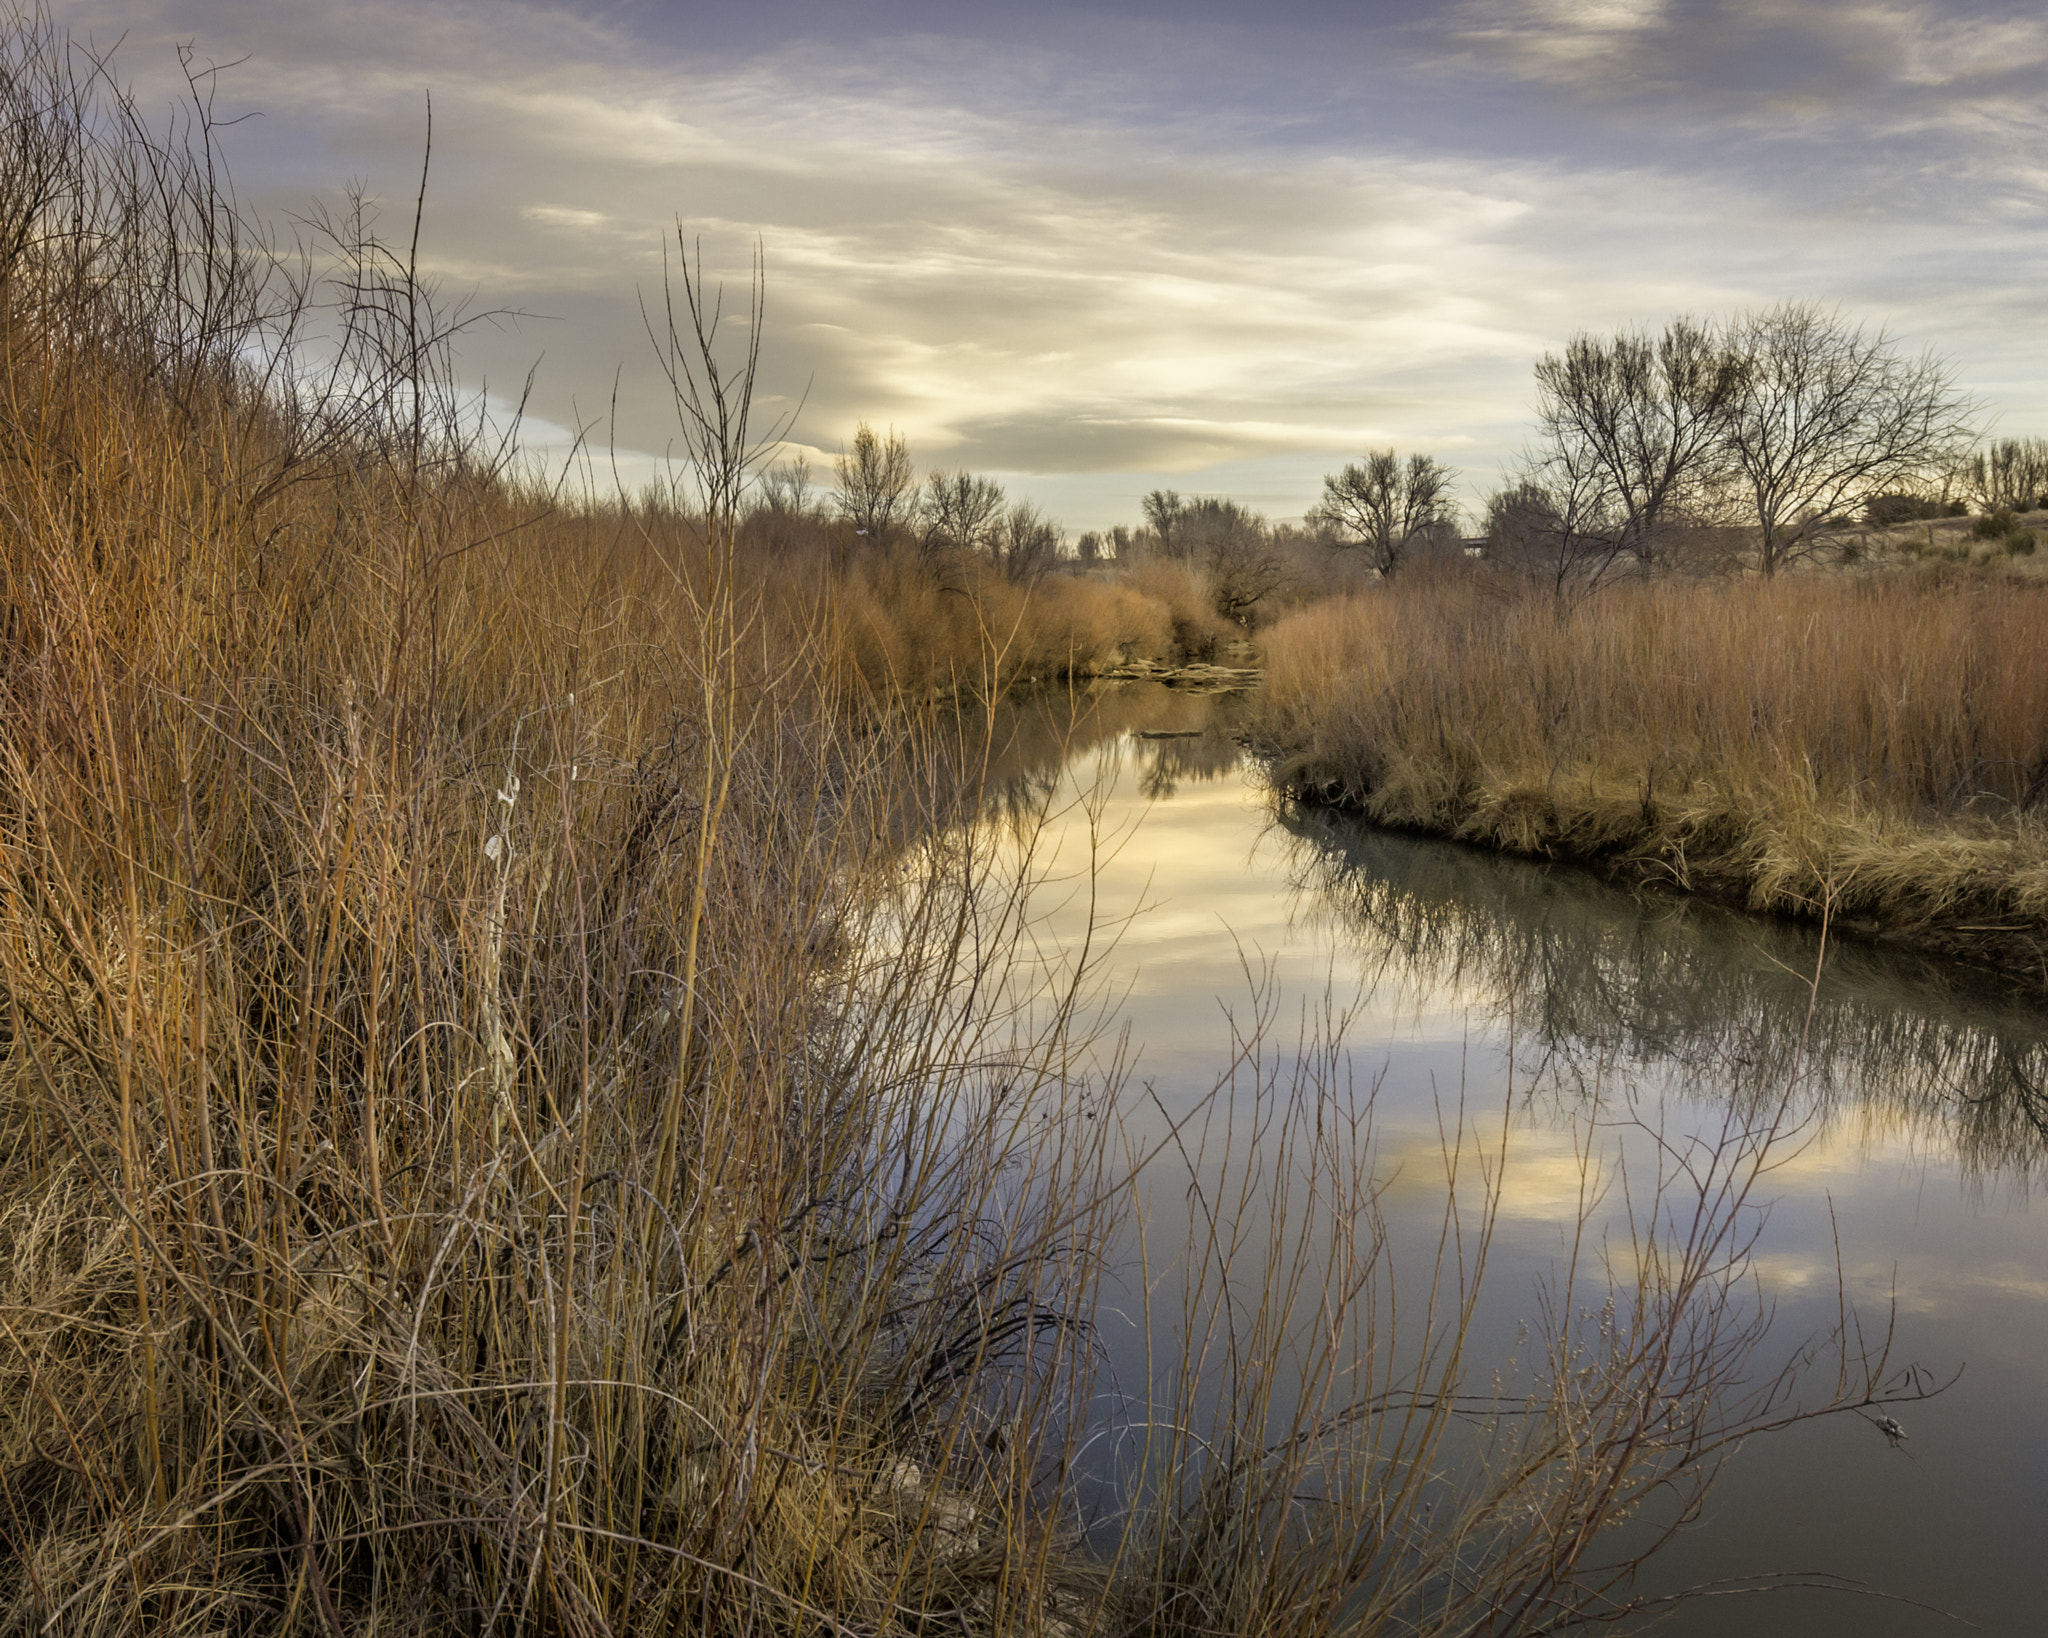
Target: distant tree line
x,y
2011,474
1781,429
949,520
879,503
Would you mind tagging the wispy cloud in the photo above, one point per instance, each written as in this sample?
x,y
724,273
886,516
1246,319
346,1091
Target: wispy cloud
x,y
1038,262
1773,67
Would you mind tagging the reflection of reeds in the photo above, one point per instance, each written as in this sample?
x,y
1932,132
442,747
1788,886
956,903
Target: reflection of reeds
x,y
1871,750
1594,978
1006,756
1326,1451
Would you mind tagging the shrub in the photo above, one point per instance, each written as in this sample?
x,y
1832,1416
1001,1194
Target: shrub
x,y
1883,511
1184,590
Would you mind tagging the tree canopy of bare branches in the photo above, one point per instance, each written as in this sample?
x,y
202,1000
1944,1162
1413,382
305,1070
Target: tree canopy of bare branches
x,y
1384,505
1790,420
1169,521
1230,542
1639,421
877,485
960,512
1025,543
2010,472
1558,523
1825,415
788,487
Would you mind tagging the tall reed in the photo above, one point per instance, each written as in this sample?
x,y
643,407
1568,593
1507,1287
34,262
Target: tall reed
x,y
448,1078
1873,749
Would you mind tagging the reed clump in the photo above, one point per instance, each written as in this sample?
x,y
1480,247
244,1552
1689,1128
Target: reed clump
x,y
495,1134
1870,749
906,628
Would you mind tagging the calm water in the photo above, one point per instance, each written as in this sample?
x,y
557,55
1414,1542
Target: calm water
x,y
1560,1005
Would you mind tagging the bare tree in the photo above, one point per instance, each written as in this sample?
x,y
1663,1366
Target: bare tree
x,y
1168,522
2010,473
877,484
1827,415
1560,522
1522,523
1647,416
960,512
1026,543
788,487
1385,505
1245,566
787,514
1231,542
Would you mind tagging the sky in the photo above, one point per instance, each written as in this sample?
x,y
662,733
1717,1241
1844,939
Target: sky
x,y
1097,249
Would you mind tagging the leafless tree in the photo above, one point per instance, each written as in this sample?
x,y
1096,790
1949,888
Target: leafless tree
x,y
1826,415
960,512
1646,417
789,487
1386,506
877,484
1169,523
1231,542
1245,568
788,514
1519,519
2010,473
1560,521
1025,542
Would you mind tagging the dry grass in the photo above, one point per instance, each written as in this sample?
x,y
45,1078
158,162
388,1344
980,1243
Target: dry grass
x,y
1874,748
444,1080
470,1161
904,629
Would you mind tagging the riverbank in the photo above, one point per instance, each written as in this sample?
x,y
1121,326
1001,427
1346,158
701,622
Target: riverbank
x,y
1873,752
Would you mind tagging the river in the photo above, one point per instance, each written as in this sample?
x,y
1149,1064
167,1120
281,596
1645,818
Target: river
x,y
1563,1025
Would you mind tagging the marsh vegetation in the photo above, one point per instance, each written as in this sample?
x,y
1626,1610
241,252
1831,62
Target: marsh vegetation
x,y
1867,751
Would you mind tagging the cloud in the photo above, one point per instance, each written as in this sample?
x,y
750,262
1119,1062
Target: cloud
x,y
1008,293
1772,67
1040,262
1581,43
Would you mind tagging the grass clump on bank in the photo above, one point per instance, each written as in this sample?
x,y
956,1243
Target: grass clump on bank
x,y
1872,749
445,1072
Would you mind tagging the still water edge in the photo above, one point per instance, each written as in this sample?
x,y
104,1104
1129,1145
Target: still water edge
x,y
1469,981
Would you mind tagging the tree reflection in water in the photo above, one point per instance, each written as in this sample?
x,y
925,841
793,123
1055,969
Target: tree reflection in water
x,y
1004,762
1596,979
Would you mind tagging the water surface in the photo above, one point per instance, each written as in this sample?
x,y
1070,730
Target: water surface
x,y
1467,985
